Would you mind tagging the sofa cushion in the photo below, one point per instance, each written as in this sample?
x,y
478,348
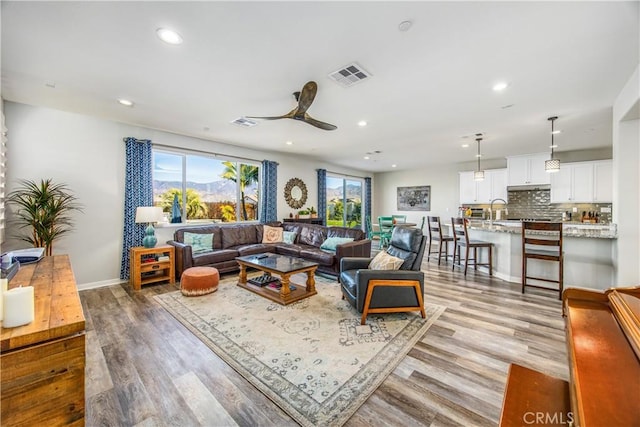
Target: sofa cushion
x,y
242,234
287,249
313,235
272,234
384,261
178,235
354,233
311,253
256,248
332,242
214,257
289,237
199,242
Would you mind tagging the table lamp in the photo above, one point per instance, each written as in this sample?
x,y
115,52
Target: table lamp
x,y
149,214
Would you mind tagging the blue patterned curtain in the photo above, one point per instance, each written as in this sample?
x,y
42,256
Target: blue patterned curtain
x,y
269,183
367,198
138,191
322,195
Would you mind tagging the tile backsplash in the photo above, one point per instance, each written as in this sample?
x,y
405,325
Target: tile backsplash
x,y
537,204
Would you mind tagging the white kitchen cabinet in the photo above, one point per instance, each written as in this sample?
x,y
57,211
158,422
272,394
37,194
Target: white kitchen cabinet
x,y
528,170
493,186
603,181
583,182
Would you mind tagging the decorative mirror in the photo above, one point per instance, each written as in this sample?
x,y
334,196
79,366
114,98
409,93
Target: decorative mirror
x,y
295,193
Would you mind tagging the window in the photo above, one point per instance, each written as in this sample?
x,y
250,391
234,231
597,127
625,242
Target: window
x,y
205,188
344,201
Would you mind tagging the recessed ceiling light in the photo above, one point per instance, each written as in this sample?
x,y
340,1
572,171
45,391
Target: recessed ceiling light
x,y
553,146
126,102
405,26
362,123
289,142
366,157
500,86
478,155
504,107
555,132
393,166
465,145
169,36
52,85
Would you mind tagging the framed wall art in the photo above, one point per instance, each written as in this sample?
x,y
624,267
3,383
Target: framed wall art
x,y
414,198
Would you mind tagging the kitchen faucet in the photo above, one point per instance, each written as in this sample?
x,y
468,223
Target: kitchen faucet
x,y
491,208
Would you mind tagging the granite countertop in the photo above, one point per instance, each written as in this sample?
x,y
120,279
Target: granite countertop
x,y
569,229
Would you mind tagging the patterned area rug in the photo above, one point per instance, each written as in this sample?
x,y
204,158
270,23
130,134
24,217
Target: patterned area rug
x,y
312,358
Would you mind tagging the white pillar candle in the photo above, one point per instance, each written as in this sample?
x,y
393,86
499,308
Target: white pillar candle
x,y
4,283
19,306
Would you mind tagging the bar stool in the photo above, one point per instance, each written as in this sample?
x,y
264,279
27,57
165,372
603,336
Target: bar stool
x,y
435,235
461,237
542,241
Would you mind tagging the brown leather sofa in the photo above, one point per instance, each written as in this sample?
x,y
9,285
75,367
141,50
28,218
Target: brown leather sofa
x,y
233,240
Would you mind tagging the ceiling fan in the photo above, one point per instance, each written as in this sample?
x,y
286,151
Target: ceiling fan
x,y
304,98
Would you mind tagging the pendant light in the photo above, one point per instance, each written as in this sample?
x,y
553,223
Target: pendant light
x,y
552,165
478,175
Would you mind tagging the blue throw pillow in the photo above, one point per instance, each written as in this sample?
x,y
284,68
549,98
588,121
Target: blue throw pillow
x,y
289,237
331,243
200,243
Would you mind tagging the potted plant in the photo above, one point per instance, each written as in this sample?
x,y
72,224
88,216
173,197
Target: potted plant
x,y
313,212
304,213
45,209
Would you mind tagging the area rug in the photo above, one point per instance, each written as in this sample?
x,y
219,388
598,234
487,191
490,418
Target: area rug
x,y
312,358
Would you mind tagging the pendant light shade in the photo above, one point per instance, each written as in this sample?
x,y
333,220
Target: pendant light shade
x,y
478,175
552,165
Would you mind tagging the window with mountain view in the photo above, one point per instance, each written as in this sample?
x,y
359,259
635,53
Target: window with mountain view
x,y
344,201
198,188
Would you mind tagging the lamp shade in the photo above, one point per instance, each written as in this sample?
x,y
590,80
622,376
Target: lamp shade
x,y
552,165
146,214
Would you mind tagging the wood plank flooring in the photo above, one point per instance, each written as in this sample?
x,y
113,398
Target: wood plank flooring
x,y
145,369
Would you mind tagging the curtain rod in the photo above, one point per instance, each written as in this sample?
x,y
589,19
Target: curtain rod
x,y
203,152
347,175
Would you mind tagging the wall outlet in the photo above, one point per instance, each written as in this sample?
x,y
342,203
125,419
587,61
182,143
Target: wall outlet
x,y
605,210
575,209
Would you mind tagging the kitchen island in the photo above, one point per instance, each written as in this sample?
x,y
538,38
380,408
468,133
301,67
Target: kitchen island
x,y
588,253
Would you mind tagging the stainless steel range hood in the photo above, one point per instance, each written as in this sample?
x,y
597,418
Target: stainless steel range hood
x,y
531,187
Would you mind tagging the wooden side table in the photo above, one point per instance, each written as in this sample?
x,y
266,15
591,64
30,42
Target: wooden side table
x,y
151,265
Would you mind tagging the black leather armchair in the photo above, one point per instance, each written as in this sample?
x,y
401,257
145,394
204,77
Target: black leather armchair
x,y
387,291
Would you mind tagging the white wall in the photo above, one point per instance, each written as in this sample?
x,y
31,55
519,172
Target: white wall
x,y
444,192
88,155
626,182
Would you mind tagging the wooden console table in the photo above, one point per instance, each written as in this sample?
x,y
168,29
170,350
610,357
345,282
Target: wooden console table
x,y
304,220
43,362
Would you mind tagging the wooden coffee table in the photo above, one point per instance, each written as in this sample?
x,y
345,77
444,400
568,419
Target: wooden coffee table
x,y
284,267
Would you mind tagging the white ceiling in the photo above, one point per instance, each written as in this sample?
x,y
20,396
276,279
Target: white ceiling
x,y
431,86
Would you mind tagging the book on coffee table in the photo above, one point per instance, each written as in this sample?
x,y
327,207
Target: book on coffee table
x,y
277,285
264,280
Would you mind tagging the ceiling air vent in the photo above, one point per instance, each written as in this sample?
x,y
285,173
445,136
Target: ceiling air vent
x,y
244,122
349,75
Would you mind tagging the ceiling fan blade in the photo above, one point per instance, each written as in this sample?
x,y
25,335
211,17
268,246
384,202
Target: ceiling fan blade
x,y
306,97
289,115
318,123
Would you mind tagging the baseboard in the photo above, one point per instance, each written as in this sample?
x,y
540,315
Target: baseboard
x,y
100,284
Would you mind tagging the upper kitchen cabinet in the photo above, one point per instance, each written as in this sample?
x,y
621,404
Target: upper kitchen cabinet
x,y
527,170
494,186
583,182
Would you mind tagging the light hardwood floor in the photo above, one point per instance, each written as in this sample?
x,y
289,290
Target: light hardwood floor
x,y
145,369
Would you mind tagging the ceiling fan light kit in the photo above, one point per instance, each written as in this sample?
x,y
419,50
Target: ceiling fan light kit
x,y
552,165
304,98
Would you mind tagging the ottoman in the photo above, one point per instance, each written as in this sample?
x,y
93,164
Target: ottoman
x,y
199,281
